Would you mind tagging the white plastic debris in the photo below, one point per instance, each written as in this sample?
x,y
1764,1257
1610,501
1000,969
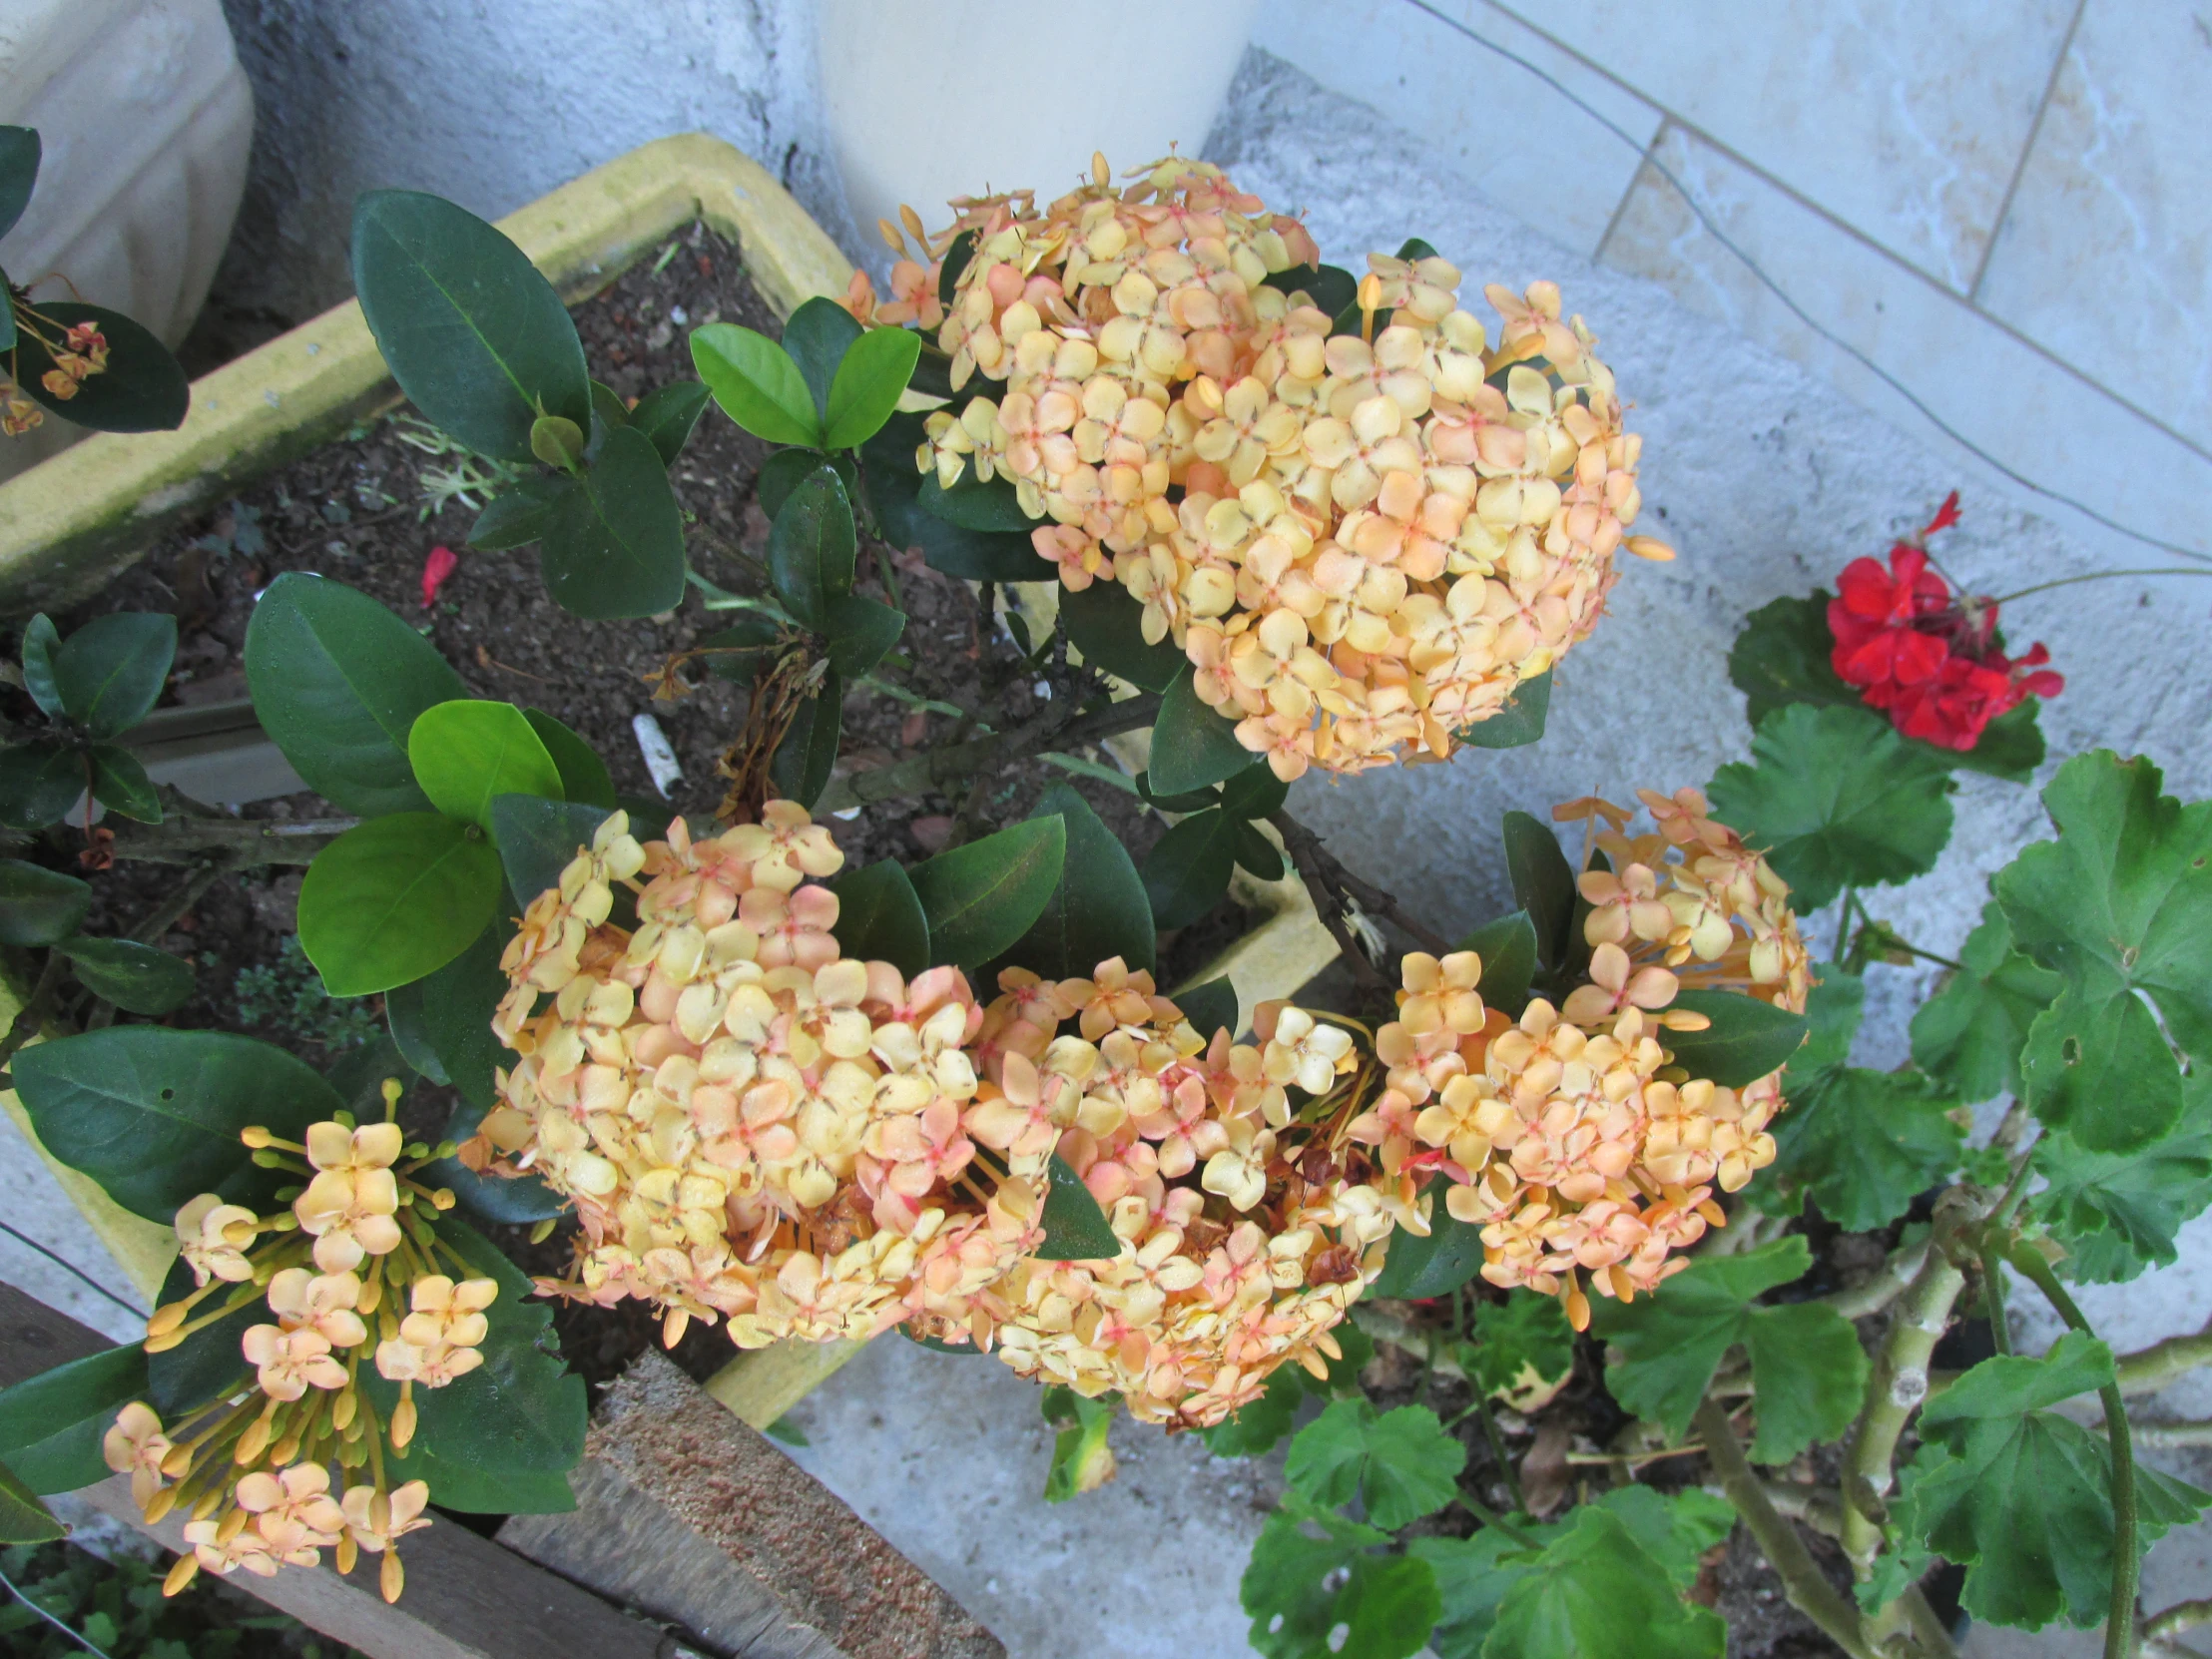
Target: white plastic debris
x,y
660,756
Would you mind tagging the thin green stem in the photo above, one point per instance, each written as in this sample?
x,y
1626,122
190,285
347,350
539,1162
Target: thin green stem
x,y
74,1634
2093,576
1490,1517
2119,1624
1842,923
1481,1408
1992,1298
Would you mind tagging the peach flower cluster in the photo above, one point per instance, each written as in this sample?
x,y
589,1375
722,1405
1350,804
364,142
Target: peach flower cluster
x,y
1365,531
1569,1135
351,1258
757,1129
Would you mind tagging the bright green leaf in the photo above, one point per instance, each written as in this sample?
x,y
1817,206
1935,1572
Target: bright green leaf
x,y
801,767
862,630
40,780
1971,1031
136,977
1097,911
869,382
982,897
1834,799
51,1425
584,776
757,383
879,917
1519,719
109,672
1595,1590
1106,626
1192,746
1075,1227
2119,903
396,899
1519,1343
467,752
1299,1590
811,548
337,682
614,547
474,334
1081,1459
154,1115
142,389
1747,1037
38,906
1400,1464
1187,871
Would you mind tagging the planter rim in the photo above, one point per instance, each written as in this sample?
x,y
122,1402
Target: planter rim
x,y
74,520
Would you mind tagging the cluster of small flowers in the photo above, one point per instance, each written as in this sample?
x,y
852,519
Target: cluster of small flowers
x,y
1363,541
83,353
1912,647
755,1128
253,1471
1568,1135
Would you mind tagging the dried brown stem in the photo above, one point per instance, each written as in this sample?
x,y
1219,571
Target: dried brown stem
x,y
1051,728
1316,862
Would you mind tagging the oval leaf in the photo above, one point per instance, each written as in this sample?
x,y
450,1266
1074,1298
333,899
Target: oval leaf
x,y
521,516
584,776
1211,1008
862,631
1107,625
667,415
816,337
879,917
869,382
1075,1227
396,900
803,762
1507,948
131,975
110,673
757,383
538,838
51,1425
468,752
811,548
893,488
337,682
982,897
19,158
39,782
1192,746
510,1200
142,389
973,504
37,906
1187,871
1438,1264
154,1115
458,1002
1519,721
40,641
614,547
1543,882
474,334
1098,909
409,1033
1747,1039
120,783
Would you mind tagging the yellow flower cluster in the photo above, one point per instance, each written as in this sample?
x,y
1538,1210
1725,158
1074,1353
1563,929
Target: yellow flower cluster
x,y
252,1471
756,1129
1570,1136
1362,540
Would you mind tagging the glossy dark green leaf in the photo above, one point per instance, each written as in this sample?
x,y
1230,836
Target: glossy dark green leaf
x,y
983,896
51,1425
954,265
120,783
23,1518
974,504
501,1440
816,337
1400,1465
510,1200
803,762
879,918
1971,1031
1747,1039
39,782
746,648
894,487
757,383
1211,1008
109,672
1097,911
1187,871
1189,800
1257,855
667,414
337,682
38,906
1835,800
523,514
136,977
1330,287
396,900
154,1115
1331,1597
781,473
467,752
1544,883
869,382
811,548
41,640
2119,906
615,546
607,413
474,334
1254,793
1435,1265
1106,625
1075,1227
538,838
1507,948
142,389
862,630
404,1024
1519,719
19,158
458,1002
584,776
1192,744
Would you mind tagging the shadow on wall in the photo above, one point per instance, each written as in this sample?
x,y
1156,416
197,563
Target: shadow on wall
x,y
490,105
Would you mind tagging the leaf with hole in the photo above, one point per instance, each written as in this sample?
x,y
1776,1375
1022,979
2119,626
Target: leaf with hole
x,y
982,897
134,977
142,389
154,1115
396,900
38,906
1332,1597
110,673
879,917
2118,1213
468,752
337,682
757,383
472,331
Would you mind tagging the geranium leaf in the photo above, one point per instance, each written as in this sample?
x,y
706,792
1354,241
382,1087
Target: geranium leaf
x,y
1595,1590
2119,903
982,897
1299,1590
1971,1031
2118,1213
1835,800
1866,1143
396,899
1521,1342
1400,1464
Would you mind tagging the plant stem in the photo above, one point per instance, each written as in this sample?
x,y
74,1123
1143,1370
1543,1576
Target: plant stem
x,y
2147,1371
2162,1627
1054,728
242,842
1993,1297
1490,1517
2093,576
1323,879
1842,923
1481,1410
1809,1589
2167,1435
2119,1626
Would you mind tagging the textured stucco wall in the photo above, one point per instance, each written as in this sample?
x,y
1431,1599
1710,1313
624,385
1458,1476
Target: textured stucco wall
x,y
493,103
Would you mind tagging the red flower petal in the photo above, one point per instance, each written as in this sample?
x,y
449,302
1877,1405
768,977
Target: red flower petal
x,y
441,563
1946,516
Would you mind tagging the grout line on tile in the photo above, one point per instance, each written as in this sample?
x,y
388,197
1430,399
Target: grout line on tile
x,y
2034,131
1636,178
1951,295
